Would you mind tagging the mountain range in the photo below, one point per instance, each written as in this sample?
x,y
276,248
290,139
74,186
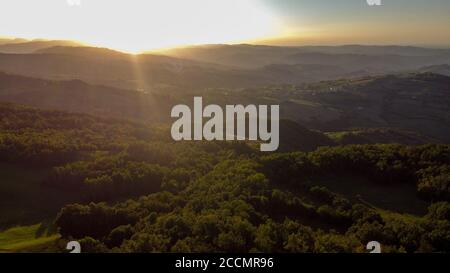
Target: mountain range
x,y
354,94
237,66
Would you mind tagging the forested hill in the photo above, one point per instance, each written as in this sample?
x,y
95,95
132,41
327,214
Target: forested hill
x,y
278,204
81,97
405,108
214,196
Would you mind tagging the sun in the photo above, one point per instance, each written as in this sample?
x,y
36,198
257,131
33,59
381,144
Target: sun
x,y
135,26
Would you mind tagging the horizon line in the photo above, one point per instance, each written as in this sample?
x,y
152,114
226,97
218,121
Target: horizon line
x,y
243,43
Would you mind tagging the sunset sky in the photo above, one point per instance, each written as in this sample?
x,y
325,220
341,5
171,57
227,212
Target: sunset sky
x,y
136,25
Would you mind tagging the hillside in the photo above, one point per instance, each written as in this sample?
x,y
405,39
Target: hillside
x,y
411,102
18,46
80,97
105,67
4,41
380,136
294,137
255,66
417,103
414,102
443,69
349,57
208,196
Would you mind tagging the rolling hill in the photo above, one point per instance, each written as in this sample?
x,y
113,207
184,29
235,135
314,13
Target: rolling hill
x,y
380,136
349,57
211,66
98,130
413,102
21,46
80,97
416,103
443,69
107,67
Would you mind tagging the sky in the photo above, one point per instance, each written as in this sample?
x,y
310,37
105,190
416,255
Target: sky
x,y
417,22
138,25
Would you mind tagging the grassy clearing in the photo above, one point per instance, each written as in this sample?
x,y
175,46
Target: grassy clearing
x,y
22,238
24,201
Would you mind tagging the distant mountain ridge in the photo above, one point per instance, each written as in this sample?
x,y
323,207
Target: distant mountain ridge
x,y
107,67
256,66
4,41
336,106
250,56
326,89
24,47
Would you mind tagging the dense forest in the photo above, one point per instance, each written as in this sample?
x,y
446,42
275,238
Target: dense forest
x,y
123,186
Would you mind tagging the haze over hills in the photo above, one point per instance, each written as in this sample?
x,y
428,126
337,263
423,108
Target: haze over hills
x,y
216,66
225,126
443,69
99,131
20,46
12,40
80,97
412,102
103,66
358,93
417,102
250,56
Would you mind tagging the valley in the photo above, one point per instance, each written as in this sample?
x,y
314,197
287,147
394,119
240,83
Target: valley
x,y
86,151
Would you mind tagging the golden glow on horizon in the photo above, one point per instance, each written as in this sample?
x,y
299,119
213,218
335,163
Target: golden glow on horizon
x,y
135,26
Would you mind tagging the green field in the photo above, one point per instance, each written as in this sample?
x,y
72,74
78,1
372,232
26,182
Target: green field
x,y
27,208
25,238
